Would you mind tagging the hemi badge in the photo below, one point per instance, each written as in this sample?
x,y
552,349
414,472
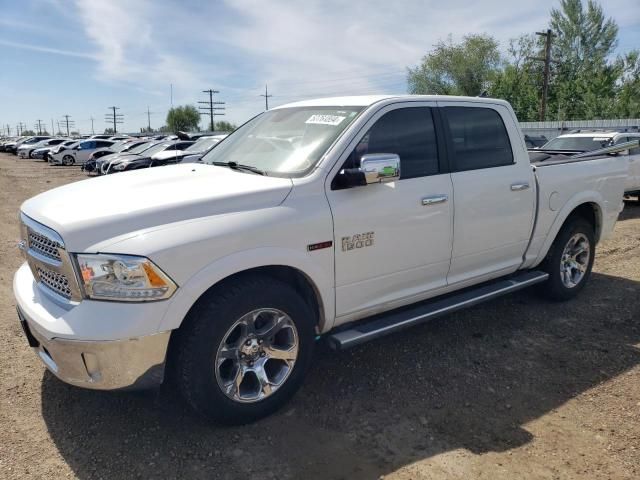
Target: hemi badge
x,y
318,246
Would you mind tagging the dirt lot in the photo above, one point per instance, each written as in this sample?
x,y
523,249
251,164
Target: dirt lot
x,y
517,388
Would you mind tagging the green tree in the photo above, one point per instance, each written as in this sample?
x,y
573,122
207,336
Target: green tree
x,y
456,68
28,133
223,126
584,81
109,131
627,103
184,118
519,79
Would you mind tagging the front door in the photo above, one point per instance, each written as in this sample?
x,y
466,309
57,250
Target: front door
x,y
393,240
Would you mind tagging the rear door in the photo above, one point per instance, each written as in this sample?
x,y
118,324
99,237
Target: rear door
x,y
493,193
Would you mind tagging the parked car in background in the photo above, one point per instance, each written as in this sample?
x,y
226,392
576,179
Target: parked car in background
x,y
96,165
24,147
61,150
45,146
120,146
146,159
79,153
587,141
199,148
9,144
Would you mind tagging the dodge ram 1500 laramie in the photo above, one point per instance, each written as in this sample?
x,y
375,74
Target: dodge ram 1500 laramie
x,y
346,218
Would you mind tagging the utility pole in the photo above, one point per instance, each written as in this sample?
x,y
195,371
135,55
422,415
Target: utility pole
x,y
39,126
92,131
114,117
68,122
53,131
266,97
21,126
547,71
148,119
210,107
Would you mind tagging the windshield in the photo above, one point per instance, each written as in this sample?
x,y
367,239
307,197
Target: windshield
x,y
284,141
577,143
141,148
118,147
159,147
203,144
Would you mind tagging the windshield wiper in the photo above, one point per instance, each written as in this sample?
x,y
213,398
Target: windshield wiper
x,y
239,166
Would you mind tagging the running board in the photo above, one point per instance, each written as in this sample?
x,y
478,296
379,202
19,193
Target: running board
x,y
399,319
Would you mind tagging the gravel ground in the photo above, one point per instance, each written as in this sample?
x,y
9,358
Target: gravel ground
x,y
516,388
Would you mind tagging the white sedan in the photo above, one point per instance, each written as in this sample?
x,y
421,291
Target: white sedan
x,y
79,153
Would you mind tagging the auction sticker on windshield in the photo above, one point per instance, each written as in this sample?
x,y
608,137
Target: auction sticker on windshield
x,y
325,119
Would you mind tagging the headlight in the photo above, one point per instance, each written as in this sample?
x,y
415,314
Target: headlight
x,y
123,278
120,166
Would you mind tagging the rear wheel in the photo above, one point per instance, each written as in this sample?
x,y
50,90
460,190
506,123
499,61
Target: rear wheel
x,y
244,349
570,260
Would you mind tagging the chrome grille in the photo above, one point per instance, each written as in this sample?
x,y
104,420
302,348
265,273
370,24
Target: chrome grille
x,y
55,281
48,260
44,245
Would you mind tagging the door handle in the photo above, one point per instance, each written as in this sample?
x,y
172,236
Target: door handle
x,y
434,200
516,187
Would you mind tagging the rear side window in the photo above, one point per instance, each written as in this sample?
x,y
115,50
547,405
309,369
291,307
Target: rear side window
x,y
479,138
407,132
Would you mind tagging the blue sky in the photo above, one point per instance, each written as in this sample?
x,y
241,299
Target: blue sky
x,y
79,57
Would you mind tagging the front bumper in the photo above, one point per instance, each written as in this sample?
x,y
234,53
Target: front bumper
x,y
134,361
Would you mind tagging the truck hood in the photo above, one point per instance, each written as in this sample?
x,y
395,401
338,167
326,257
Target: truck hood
x,y
96,210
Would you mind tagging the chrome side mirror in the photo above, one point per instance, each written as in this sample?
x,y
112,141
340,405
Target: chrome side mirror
x,y
380,167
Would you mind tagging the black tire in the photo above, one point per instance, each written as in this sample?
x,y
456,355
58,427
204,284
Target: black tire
x,y
555,288
68,160
207,326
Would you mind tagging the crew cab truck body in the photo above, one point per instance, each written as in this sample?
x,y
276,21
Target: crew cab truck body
x,y
316,218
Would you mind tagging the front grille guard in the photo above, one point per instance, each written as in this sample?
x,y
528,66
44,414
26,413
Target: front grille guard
x,y
48,264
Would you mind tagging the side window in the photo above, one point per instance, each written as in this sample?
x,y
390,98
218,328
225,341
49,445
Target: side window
x,y
478,137
407,132
635,150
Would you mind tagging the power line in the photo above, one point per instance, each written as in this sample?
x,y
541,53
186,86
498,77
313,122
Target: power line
x,y
548,35
266,97
148,119
210,109
116,118
68,123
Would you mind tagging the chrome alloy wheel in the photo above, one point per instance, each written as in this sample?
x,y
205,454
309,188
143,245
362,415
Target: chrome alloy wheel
x,y
575,260
256,355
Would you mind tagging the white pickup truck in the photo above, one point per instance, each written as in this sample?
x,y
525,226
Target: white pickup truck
x,y
347,218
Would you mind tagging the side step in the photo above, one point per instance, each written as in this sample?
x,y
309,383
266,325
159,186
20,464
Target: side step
x,y
399,319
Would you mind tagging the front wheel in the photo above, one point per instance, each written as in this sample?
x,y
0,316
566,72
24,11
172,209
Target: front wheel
x,y
570,260
68,160
244,349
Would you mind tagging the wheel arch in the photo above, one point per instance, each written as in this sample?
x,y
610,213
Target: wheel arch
x,y
307,278
589,209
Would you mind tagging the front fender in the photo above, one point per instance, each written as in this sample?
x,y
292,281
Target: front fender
x,y
216,271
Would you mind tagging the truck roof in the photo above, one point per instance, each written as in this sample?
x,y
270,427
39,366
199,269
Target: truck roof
x,y
367,100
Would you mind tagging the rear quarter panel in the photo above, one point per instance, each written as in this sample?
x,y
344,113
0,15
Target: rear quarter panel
x,y
564,187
